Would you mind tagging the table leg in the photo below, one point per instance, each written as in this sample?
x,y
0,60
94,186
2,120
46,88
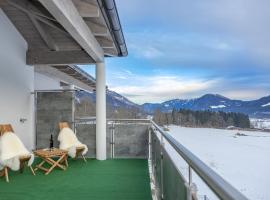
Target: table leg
x,y
39,165
66,160
55,164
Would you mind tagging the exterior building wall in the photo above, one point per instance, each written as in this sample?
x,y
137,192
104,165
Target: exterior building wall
x,y
43,82
16,83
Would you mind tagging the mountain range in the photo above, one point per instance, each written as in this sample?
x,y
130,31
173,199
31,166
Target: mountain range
x,y
259,108
114,99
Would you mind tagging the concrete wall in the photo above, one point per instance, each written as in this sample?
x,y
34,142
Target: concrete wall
x,y
130,140
16,82
52,108
87,134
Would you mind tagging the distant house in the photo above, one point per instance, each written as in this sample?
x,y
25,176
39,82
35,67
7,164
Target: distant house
x,y
231,128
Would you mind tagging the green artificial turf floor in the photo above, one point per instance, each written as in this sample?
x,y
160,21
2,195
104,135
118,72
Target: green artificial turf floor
x,y
118,179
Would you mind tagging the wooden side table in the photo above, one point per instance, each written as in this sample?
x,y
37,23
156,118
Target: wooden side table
x,y
54,158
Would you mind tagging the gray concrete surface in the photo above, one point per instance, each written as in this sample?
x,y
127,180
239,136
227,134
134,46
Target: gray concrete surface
x,y
51,108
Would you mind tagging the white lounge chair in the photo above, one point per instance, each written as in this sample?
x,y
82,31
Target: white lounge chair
x,y
13,154
69,142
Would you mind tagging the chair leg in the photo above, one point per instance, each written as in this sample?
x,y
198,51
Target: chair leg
x,y
33,172
22,167
6,174
84,158
66,161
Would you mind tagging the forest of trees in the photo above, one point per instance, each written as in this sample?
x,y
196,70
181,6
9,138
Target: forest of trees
x,y
190,118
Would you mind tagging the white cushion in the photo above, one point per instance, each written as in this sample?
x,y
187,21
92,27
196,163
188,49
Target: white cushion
x,y
11,148
69,141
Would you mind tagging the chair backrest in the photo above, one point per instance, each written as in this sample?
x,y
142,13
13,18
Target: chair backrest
x,y
63,125
5,128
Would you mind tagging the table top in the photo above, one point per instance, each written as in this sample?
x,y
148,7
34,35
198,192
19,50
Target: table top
x,y
50,152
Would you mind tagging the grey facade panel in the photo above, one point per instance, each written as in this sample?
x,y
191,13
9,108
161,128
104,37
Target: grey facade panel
x,y
86,133
174,185
124,140
131,141
51,108
156,164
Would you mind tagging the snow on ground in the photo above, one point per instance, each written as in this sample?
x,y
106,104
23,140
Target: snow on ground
x,y
218,106
244,161
260,123
268,104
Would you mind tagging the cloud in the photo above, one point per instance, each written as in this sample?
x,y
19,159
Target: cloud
x,y
223,45
185,50
245,94
121,74
160,87
246,21
143,89
151,52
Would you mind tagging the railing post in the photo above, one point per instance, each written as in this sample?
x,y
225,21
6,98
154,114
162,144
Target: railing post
x,y
149,144
73,109
112,139
155,152
189,175
161,166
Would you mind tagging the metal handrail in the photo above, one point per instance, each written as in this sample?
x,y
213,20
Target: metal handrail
x,y
113,120
218,185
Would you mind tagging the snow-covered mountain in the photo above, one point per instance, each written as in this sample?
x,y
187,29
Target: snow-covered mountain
x,y
114,99
257,108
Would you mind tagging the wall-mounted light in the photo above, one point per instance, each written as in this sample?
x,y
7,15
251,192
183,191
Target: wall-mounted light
x,y
23,120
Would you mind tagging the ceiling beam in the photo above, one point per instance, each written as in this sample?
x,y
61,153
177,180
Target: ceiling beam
x,y
87,9
68,16
26,7
44,34
110,52
43,57
97,29
52,24
105,43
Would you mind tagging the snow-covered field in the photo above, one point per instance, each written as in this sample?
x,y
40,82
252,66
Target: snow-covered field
x,y
260,123
244,161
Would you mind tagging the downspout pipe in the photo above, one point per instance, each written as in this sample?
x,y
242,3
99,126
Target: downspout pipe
x,y
110,13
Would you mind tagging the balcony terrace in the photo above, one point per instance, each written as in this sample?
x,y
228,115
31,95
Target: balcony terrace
x,y
41,42
118,179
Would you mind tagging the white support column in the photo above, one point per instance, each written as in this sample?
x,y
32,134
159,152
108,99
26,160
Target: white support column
x,y
100,111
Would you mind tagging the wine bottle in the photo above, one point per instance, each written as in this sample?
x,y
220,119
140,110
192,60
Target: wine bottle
x,y
51,142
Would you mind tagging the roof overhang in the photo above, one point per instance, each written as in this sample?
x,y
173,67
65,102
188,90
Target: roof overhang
x,y
67,32
77,73
69,74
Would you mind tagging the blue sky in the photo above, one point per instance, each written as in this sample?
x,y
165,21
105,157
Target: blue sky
x,y
184,49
